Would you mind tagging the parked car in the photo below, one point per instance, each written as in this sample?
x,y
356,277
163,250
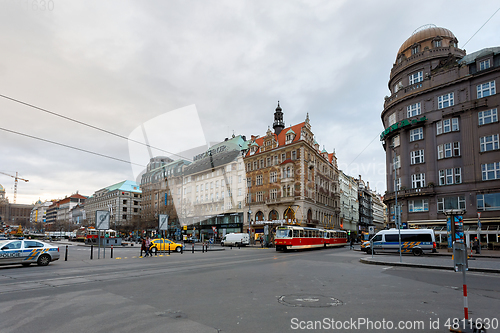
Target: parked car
x,y
27,251
163,244
235,239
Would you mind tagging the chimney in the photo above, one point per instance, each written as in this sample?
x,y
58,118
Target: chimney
x,y
368,185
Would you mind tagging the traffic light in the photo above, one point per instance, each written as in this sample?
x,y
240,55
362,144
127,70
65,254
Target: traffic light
x,y
349,232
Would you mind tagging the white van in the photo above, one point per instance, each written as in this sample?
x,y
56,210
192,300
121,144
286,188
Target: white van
x,y
415,241
235,239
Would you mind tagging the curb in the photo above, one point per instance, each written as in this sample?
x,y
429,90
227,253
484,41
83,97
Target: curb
x,y
447,268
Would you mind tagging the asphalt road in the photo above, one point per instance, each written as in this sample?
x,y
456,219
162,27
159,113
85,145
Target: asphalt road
x,y
238,290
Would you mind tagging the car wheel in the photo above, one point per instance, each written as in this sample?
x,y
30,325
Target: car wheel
x,y
178,249
417,252
43,260
26,264
154,250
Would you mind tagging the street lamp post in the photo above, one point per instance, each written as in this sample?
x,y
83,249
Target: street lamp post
x,y
396,210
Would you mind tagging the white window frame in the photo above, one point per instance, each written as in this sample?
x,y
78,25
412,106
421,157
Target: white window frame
x,y
461,202
416,134
487,117
486,89
422,206
418,180
490,140
396,141
413,110
484,64
490,171
258,180
417,156
446,100
416,77
273,177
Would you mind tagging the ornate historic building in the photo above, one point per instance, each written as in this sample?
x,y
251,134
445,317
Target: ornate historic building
x,y
290,180
442,131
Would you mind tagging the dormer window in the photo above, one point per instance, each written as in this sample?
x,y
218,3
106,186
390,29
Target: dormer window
x,y
485,64
438,43
415,49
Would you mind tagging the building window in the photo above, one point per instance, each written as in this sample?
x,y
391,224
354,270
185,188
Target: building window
x,y
445,101
415,206
450,176
485,64
490,201
490,171
418,180
486,89
259,180
262,163
447,125
488,117
448,150
450,203
273,177
415,49
487,143
392,119
416,134
413,110
416,78
417,156
395,141
273,193
283,157
438,43
294,155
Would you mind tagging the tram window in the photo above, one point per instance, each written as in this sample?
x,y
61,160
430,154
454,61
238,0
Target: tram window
x,y
295,233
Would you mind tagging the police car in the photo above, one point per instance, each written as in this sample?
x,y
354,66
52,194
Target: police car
x,y
26,252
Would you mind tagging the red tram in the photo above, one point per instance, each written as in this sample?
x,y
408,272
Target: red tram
x,y
291,237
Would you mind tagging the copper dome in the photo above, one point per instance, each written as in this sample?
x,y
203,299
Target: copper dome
x,y
425,33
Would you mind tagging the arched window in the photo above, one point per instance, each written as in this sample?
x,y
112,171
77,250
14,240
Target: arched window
x,y
273,215
259,216
289,215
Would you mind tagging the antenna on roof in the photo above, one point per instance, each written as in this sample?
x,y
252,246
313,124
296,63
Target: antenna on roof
x,y
423,27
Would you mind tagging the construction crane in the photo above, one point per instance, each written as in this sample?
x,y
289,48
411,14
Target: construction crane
x,y
15,182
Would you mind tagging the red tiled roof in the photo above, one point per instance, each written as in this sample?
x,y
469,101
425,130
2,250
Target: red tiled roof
x,y
281,138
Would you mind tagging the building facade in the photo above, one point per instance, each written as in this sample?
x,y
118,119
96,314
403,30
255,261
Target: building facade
x,y
349,202
290,180
442,131
123,200
160,186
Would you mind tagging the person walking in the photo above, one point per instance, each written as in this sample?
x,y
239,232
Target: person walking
x,y
148,244
352,244
143,246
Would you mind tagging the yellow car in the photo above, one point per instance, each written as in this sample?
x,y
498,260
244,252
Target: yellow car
x,y
163,244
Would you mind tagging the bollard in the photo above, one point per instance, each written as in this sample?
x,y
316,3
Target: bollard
x,y
111,251
91,251
238,246
182,249
66,255
202,248
168,249
192,248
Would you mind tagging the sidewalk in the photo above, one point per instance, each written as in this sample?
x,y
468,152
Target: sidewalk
x,y
485,262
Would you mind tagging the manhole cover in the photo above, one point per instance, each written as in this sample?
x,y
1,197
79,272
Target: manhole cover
x,y
311,301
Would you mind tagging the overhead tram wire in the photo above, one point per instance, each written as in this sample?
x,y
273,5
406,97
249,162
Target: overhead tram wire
x,y
482,26
88,125
67,146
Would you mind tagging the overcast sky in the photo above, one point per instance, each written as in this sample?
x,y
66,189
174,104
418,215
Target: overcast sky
x,y
119,64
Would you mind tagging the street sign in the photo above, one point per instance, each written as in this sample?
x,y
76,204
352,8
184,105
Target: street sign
x,y
163,221
102,220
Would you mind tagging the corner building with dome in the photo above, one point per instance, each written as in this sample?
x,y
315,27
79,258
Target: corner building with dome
x,y
442,134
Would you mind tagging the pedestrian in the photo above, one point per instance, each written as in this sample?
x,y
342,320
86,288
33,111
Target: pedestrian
x,y
352,243
475,246
143,245
148,244
261,241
